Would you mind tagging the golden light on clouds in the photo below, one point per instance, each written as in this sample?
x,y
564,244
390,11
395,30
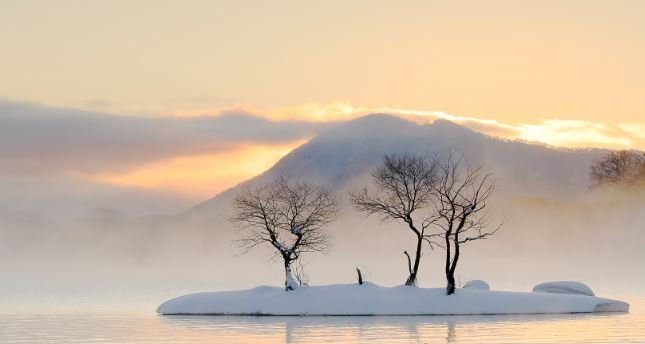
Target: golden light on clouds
x,y
572,133
202,175
311,111
317,112
556,132
636,129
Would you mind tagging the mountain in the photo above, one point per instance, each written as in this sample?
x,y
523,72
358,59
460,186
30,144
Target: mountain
x,y
347,152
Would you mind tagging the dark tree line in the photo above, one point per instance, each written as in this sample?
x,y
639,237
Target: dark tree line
x,y
623,167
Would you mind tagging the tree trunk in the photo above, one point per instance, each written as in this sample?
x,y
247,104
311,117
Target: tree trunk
x,y
450,279
450,276
289,282
450,287
412,279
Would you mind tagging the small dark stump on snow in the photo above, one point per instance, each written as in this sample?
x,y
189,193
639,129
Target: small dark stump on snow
x,y
360,276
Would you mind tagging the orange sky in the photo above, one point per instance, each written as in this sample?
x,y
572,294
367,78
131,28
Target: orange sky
x,y
202,175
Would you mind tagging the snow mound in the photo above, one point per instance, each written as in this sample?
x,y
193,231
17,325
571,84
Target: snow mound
x,y
371,299
477,285
564,287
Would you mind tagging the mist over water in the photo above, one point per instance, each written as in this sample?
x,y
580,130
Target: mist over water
x,y
110,262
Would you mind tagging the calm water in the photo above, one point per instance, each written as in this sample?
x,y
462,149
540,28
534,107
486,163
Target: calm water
x,y
150,328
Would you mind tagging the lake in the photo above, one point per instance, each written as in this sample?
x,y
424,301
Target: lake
x,y
143,327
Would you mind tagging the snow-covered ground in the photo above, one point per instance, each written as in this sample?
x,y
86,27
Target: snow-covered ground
x,y
564,287
371,299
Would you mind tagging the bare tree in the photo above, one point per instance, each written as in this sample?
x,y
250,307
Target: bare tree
x,y
291,217
621,167
460,199
403,193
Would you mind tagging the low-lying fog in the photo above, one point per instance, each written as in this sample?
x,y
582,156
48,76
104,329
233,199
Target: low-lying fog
x,y
105,258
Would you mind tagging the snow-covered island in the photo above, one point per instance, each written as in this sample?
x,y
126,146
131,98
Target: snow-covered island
x,y
371,299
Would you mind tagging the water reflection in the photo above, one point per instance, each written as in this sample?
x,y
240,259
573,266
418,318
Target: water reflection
x,y
149,328
404,329
450,338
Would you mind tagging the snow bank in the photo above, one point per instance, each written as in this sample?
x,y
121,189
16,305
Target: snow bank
x,y
370,299
477,284
563,287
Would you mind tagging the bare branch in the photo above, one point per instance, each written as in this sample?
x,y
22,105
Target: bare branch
x,y
291,217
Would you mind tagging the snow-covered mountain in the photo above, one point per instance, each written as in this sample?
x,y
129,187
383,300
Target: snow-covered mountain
x,y
347,152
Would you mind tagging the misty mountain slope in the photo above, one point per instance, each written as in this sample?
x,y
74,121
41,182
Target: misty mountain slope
x,y
348,152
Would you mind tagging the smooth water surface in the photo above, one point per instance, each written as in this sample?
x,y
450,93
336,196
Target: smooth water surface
x,y
151,328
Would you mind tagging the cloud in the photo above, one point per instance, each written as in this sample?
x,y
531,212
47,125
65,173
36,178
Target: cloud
x,y
556,132
636,129
202,175
38,139
575,133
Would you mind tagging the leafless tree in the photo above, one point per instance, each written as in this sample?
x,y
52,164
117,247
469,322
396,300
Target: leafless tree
x,y
621,167
460,199
290,217
403,193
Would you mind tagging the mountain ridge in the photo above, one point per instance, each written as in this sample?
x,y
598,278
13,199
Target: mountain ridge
x,y
346,151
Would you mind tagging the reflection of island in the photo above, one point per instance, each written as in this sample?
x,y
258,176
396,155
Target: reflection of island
x,y
413,329
451,332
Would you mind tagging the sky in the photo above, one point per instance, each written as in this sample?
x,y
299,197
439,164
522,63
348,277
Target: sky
x,y
187,98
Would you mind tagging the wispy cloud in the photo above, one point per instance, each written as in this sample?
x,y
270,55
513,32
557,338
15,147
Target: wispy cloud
x,y
40,139
574,133
636,129
557,132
